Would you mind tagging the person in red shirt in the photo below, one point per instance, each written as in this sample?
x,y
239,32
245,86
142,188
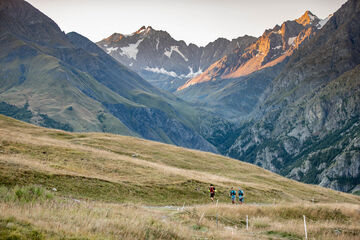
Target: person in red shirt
x,y
212,191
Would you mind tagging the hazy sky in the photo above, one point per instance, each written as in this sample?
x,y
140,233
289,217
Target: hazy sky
x,y
196,21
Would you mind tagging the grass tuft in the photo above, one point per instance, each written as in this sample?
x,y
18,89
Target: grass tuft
x,y
24,194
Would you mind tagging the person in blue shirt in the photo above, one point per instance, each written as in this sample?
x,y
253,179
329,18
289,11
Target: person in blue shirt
x,y
232,195
241,196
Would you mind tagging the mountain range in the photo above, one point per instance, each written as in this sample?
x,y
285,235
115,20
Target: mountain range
x,y
305,122
66,81
163,61
233,84
286,101
269,49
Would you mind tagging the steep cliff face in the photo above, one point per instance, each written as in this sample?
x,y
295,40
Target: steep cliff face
x,y
164,61
270,49
307,127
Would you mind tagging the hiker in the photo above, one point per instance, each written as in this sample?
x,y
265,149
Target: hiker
x,y
241,196
232,195
212,191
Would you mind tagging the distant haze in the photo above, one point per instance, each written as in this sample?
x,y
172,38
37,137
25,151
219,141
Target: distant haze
x,y
194,21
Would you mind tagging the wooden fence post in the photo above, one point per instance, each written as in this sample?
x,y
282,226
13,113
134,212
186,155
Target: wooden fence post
x,y
306,237
247,222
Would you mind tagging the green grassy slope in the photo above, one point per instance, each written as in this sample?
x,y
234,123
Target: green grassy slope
x,y
50,88
72,81
126,169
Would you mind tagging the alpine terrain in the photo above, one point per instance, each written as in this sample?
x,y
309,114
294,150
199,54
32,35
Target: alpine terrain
x,y
141,136
68,82
286,101
234,84
294,94
164,61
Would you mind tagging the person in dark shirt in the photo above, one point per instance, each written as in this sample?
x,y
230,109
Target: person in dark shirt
x,y
212,191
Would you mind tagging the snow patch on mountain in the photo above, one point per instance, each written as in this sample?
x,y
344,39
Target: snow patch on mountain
x,y
193,74
111,49
291,40
176,49
161,70
131,50
323,22
157,44
128,35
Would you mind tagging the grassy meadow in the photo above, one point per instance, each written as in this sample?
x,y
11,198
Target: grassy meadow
x,y
59,185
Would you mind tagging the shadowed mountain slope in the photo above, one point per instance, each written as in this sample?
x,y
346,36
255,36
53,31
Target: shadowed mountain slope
x,y
72,82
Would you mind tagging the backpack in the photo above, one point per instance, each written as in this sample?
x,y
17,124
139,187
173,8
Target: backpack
x,y
212,189
232,193
241,193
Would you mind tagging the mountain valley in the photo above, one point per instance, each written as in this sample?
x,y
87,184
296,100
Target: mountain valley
x,y
286,101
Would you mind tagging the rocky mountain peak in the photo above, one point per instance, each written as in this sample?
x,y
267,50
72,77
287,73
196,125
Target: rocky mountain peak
x,y
165,61
144,29
115,37
307,18
270,49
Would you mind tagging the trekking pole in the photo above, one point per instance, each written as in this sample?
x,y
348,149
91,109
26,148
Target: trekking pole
x,y
306,237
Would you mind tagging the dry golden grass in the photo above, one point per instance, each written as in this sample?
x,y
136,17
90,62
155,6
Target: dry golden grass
x,y
93,220
65,218
283,221
118,178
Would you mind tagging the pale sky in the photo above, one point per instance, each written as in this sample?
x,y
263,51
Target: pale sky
x,y
194,21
